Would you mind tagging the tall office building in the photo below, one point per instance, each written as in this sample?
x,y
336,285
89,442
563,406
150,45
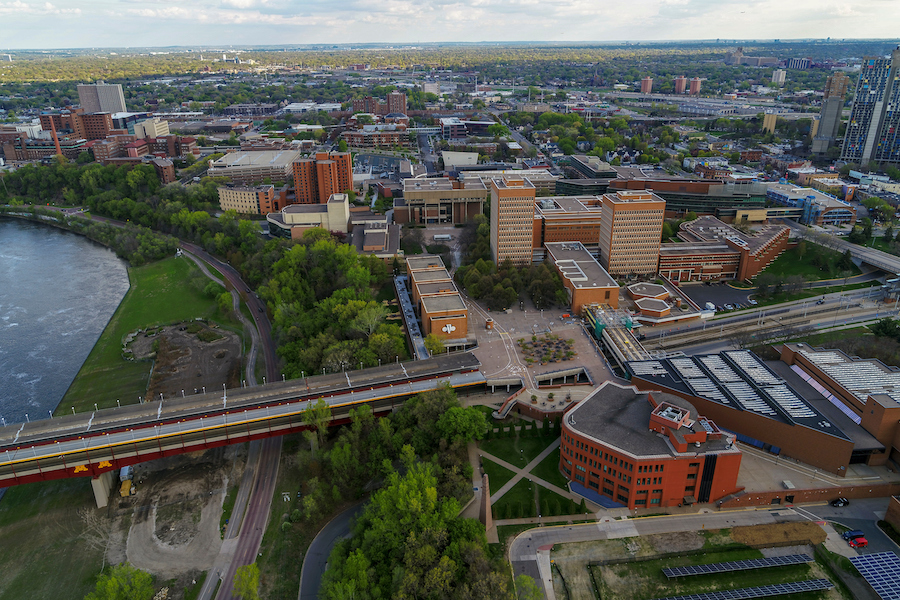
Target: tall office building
x,y
873,132
630,232
680,84
316,179
101,97
646,85
778,76
512,220
830,116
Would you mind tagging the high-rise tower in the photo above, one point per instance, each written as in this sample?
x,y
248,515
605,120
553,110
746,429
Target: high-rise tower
x,y
873,132
830,116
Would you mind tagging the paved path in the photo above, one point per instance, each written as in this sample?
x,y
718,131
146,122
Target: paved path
x,y
525,472
316,559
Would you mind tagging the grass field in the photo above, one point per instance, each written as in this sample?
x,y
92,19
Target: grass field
x,y
497,476
167,291
42,553
791,263
518,502
518,451
553,504
548,470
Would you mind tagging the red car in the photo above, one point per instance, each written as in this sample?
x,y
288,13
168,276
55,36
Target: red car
x,y
859,542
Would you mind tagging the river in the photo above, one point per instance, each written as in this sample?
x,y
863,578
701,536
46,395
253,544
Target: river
x,y
58,290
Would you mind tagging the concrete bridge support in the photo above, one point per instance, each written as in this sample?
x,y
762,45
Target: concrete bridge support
x,y
102,487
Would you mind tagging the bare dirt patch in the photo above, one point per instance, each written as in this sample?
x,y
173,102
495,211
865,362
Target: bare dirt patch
x,y
189,356
779,533
173,520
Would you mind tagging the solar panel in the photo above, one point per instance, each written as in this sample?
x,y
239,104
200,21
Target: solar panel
x,y
882,571
764,591
737,565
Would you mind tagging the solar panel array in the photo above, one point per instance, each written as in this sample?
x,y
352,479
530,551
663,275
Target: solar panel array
x,y
737,565
748,398
752,367
839,404
719,368
763,591
860,377
789,401
882,571
651,368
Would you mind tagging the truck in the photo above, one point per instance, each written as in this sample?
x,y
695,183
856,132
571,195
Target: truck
x,y
710,306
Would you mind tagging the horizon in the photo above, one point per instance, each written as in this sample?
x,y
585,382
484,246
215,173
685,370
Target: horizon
x,y
110,24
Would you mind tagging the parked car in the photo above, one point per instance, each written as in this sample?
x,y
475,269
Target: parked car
x,y
859,542
853,534
729,307
840,502
820,301
752,302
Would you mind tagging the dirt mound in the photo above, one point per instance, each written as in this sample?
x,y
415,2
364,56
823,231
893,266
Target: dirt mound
x,y
189,357
779,533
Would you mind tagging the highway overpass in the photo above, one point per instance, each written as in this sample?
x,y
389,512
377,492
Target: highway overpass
x,y
97,444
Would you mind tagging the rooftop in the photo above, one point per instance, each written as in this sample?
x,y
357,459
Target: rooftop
x,y
430,275
578,265
619,415
567,206
647,289
861,377
652,304
427,261
271,158
436,184
711,229
450,302
737,379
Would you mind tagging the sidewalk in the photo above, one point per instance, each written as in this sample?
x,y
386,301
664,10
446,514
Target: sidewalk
x,y
526,472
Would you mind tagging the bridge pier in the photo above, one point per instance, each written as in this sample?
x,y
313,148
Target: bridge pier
x,y
102,487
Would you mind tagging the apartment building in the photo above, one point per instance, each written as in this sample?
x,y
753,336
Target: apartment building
x,y
254,167
317,178
101,97
630,232
872,131
512,220
255,200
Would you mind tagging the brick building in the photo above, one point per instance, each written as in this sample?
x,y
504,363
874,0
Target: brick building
x,y
316,179
257,200
585,281
631,230
711,249
440,201
436,298
512,220
640,449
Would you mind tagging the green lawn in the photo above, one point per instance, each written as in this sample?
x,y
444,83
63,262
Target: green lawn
x,y
518,451
163,292
497,476
42,553
791,263
517,503
553,504
548,470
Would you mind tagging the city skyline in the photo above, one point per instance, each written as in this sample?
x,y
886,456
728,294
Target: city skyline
x,y
129,23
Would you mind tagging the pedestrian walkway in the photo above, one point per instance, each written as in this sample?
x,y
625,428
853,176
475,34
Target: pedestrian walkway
x,y
526,472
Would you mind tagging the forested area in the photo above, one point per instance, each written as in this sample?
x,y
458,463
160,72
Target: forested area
x,y
409,541
501,287
320,293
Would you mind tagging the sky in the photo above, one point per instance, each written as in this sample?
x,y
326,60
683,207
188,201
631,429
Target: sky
x,y
121,23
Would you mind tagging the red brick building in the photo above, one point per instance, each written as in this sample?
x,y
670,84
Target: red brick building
x,y
316,179
645,449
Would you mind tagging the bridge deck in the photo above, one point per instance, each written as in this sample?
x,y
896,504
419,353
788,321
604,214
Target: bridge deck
x,y
88,444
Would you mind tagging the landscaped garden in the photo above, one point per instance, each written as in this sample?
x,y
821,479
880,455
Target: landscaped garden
x,y
547,349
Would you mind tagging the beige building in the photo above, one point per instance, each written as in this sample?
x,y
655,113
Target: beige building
x,y
294,219
544,181
152,128
101,97
440,201
247,200
255,167
512,220
769,122
630,232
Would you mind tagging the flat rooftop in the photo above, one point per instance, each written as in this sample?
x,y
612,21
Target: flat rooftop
x,y
568,206
579,266
434,304
652,304
437,184
427,261
737,379
711,229
431,275
432,289
513,182
619,415
862,377
795,192
648,289
267,158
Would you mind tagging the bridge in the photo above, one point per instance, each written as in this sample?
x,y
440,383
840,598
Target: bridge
x,y
96,444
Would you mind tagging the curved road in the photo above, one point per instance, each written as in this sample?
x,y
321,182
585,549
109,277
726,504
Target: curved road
x,y
316,558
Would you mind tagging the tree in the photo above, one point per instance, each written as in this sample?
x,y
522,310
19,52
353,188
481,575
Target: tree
x,y
342,146
433,344
123,582
527,589
465,424
84,158
318,415
246,582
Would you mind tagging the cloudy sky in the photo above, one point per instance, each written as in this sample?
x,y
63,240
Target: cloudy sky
x,y
120,23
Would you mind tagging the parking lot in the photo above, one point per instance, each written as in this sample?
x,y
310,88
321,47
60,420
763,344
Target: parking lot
x,y
717,293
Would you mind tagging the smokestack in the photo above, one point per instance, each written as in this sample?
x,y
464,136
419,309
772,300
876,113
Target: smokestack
x,y
55,137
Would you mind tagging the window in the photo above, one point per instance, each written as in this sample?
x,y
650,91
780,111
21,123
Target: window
x,y
654,500
657,491
694,465
641,502
622,499
608,492
580,478
594,485
692,476
580,468
689,489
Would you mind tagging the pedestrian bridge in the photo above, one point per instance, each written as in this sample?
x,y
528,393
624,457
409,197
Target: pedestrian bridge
x,y
96,443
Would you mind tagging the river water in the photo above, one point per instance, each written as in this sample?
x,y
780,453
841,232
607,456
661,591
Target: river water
x,y
58,290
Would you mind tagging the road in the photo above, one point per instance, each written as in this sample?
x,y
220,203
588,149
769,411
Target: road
x,y
876,258
316,558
